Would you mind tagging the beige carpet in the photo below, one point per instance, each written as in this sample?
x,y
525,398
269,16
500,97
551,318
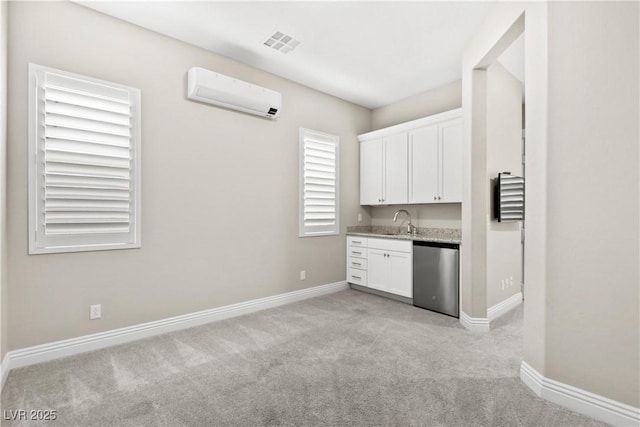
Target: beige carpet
x,y
348,358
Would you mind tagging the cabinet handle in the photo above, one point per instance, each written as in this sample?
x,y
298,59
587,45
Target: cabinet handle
x,y
356,252
435,198
438,197
356,263
357,241
356,277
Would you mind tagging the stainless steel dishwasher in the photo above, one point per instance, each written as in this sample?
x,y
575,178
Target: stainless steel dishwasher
x,y
435,277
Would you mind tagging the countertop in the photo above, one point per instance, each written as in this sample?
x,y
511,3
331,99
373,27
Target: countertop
x,y
441,235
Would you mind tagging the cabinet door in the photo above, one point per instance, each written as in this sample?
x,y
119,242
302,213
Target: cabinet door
x,y
378,270
371,166
423,158
396,170
451,161
400,274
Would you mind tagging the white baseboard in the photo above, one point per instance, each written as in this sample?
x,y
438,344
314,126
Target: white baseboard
x,y
482,324
505,306
474,324
55,350
578,400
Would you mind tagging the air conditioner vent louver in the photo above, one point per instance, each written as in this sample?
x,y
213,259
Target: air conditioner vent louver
x,y
224,91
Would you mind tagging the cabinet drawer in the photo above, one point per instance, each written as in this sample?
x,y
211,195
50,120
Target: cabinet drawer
x,y
359,263
391,245
356,241
357,252
358,277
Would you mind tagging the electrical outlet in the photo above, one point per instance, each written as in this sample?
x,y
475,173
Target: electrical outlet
x,y
303,275
95,311
359,217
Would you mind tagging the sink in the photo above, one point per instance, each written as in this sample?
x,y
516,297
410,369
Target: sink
x,y
397,233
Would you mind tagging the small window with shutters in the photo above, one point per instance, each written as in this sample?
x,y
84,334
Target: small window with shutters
x,y
319,184
84,163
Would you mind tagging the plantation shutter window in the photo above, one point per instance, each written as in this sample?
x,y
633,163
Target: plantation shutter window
x,y
319,166
84,163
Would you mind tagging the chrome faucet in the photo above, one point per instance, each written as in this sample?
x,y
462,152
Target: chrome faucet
x,y
411,229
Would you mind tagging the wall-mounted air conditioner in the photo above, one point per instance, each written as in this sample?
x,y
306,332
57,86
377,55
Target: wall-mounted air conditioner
x,y
224,91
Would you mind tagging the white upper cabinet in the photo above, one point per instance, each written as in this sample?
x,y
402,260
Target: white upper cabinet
x,y
395,170
414,162
383,170
371,165
436,163
423,152
451,161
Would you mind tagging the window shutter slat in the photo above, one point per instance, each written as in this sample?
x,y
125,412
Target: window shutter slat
x,y
85,136
86,206
71,169
84,148
86,142
77,228
85,194
70,110
315,144
84,98
85,182
86,217
56,156
80,124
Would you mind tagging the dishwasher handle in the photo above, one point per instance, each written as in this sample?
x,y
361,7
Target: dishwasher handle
x,y
437,244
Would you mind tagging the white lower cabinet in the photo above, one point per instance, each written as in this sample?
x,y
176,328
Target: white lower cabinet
x,y
388,266
391,272
357,260
358,277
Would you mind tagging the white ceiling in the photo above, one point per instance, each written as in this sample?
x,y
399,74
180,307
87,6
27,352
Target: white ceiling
x,y
367,52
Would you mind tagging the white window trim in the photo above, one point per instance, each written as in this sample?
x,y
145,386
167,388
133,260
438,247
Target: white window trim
x,y
304,231
36,245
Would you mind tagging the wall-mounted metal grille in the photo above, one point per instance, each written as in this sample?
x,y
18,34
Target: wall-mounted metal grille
x,y
509,198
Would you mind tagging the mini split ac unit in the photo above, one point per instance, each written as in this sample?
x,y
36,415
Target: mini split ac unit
x,y
224,91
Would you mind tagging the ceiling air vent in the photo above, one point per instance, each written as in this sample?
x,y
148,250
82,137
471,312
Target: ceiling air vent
x,y
282,42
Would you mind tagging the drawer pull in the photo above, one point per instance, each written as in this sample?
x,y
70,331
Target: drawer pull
x,y
355,252
356,263
357,241
356,277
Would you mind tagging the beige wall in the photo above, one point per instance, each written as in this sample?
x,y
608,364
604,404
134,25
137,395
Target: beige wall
x,y
220,188
4,312
446,215
431,102
434,101
582,235
593,313
504,153
500,28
